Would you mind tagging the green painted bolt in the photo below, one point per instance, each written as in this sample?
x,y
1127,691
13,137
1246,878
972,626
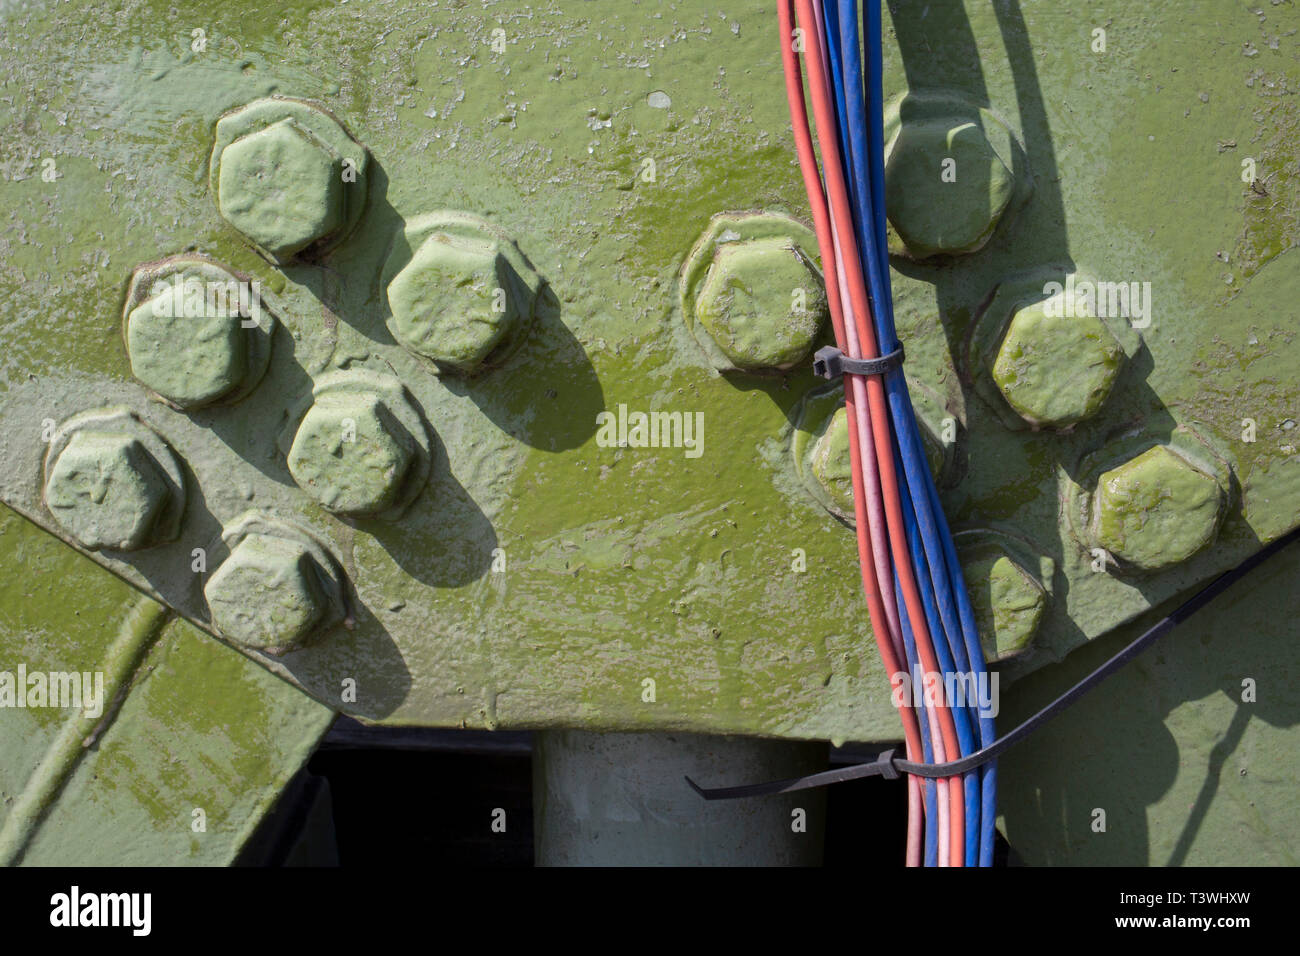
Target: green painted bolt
x,y
1008,601
282,188
762,303
946,188
830,463
1156,509
106,490
453,302
189,360
350,453
269,594
1055,369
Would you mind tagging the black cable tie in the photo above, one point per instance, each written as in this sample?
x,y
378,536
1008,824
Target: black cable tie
x,y
831,363
888,766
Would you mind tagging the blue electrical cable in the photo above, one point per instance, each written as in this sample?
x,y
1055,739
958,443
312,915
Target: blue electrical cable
x,y
844,54
962,717
930,787
889,338
947,607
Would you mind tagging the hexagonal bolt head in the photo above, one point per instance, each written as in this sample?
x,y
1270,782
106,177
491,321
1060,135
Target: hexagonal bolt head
x,y
454,301
751,305
939,206
282,188
106,490
1056,370
189,360
351,454
1156,509
268,594
1007,600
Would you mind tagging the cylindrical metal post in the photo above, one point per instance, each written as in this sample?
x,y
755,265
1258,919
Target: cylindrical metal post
x,y
621,800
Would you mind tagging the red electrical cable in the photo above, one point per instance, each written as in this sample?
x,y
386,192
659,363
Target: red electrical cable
x,y
836,193
817,201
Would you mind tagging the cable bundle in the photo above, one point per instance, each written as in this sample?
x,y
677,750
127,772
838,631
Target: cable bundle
x,y
920,612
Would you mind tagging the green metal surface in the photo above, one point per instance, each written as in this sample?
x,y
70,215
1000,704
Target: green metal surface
x,y
1190,752
181,724
544,576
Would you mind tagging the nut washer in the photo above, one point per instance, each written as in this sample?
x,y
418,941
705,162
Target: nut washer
x,y
829,462
105,490
953,174
267,594
820,447
1008,601
350,454
751,293
747,303
460,293
281,189
362,447
1156,509
452,302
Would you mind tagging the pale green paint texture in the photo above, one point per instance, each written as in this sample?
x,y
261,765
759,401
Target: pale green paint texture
x,y
347,457
442,301
106,490
1187,771
197,725
622,564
